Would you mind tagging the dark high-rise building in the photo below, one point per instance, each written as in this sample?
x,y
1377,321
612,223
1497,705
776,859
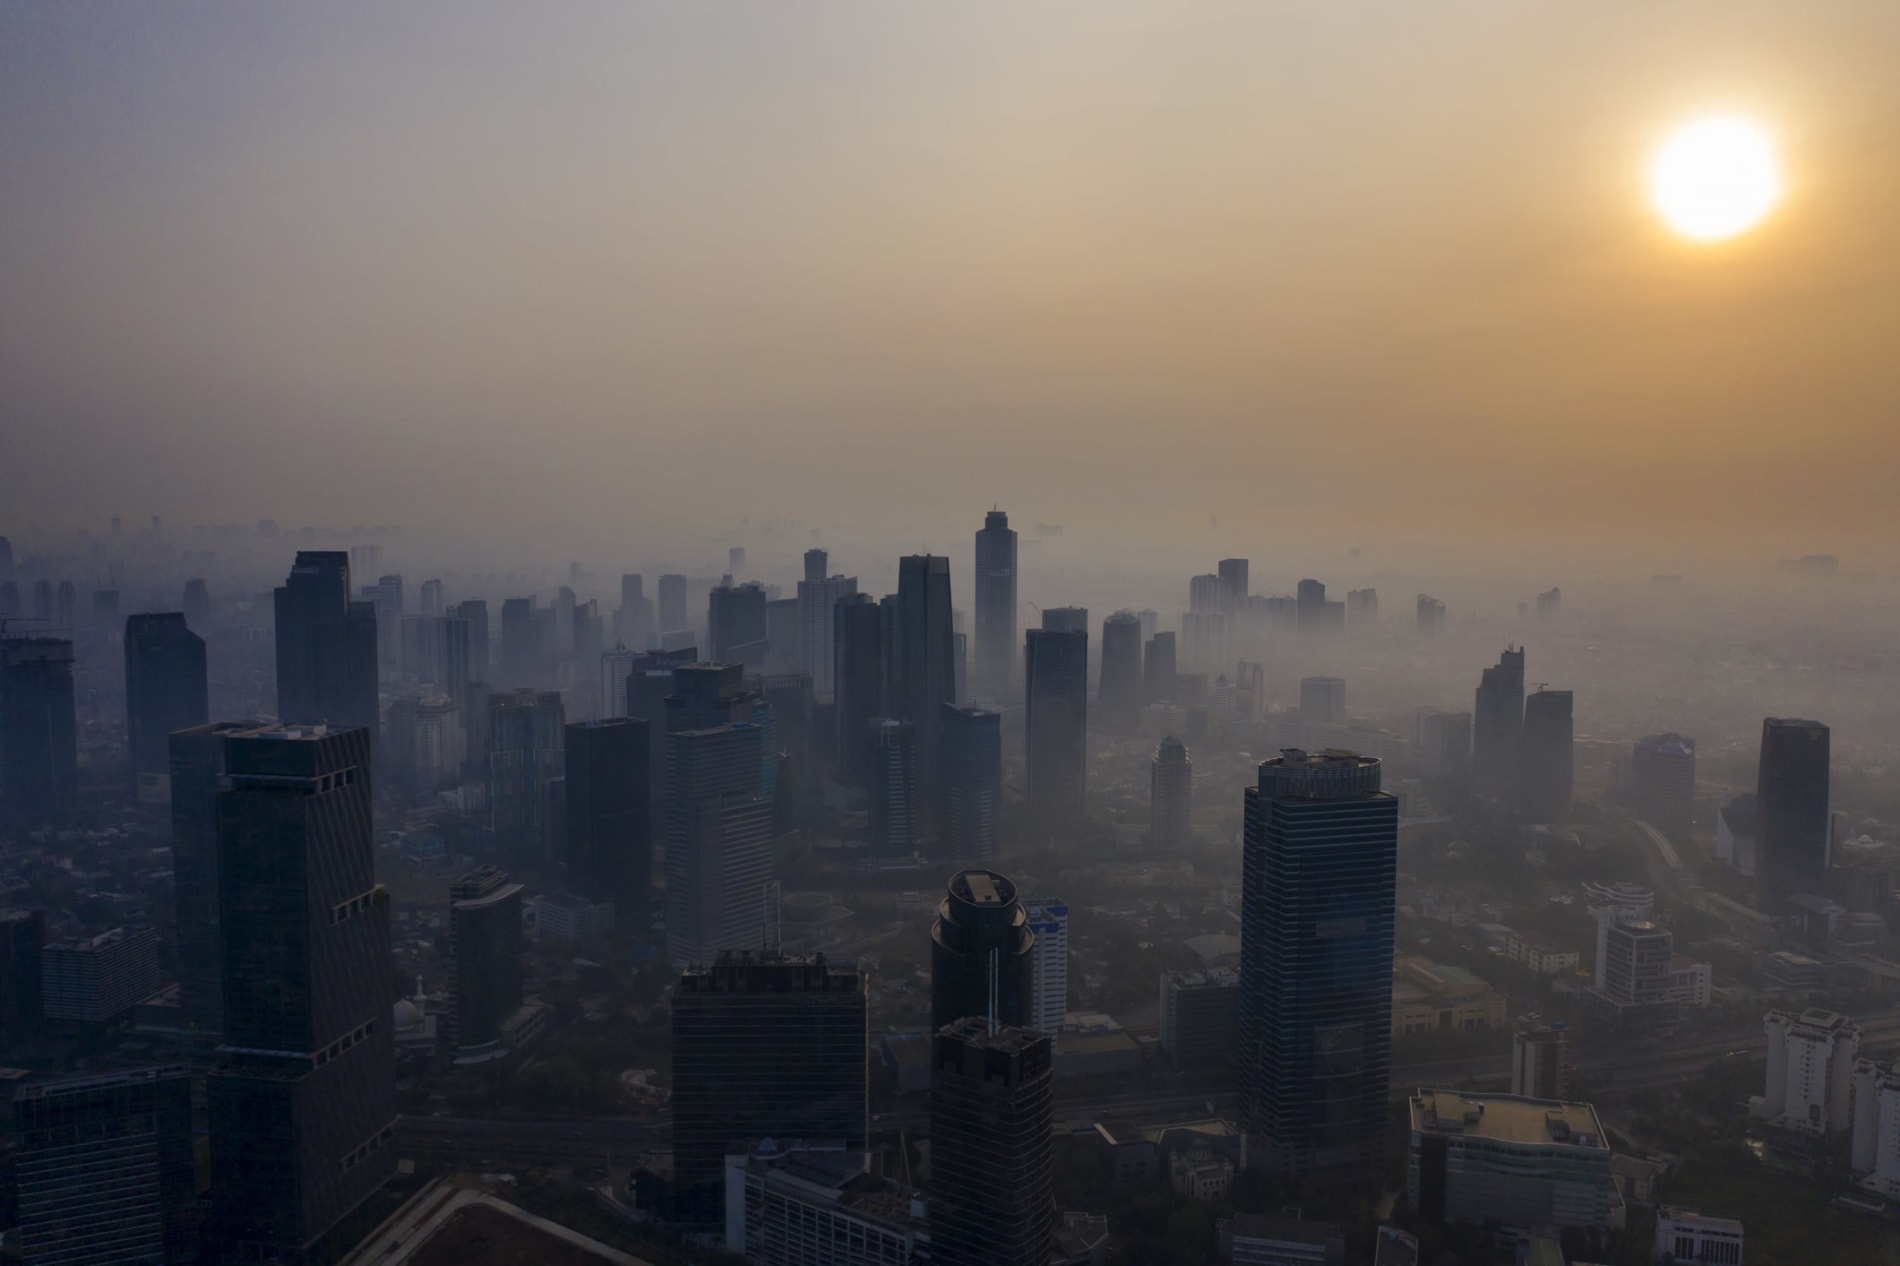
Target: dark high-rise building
x,y
525,733
197,606
972,783
782,636
818,598
1550,604
1233,584
1158,667
649,684
1065,619
326,645
39,741
718,843
104,1167
43,601
673,603
981,952
992,1141
66,607
1497,722
707,694
763,1047
1205,594
1120,691
1318,873
166,689
1055,724
474,613
858,675
1170,797
1323,701
484,956
995,668
197,775
1662,777
1791,797
735,625
609,820
22,936
10,601
633,623
893,788
1317,616
923,676
303,1111
521,653
1546,759
1431,616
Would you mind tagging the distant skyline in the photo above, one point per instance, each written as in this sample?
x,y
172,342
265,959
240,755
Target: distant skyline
x,y
610,272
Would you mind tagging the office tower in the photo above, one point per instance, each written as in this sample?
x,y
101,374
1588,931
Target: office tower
x,y
1318,872
1443,740
1205,594
1791,798
1065,619
96,979
787,698
1431,616
1662,778
525,733
923,674
1362,609
616,666
520,656
1315,614
1055,724
10,603
1497,722
484,956
590,634
673,603
420,648
633,622
1550,604
563,607
1631,992
385,601
197,605
735,559
39,741
972,783
165,690
303,1111
609,851
735,625
197,776
474,613
858,680
718,843
326,645
105,1171
995,593
43,601
1199,1017
1498,1159
1233,583
764,1047
1322,701
1158,668
893,788
1546,757
1540,1059
1120,690
981,953
423,740
707,694
649,685
817,564
429,599
992,1128
66,607
1809,1078
783,636
1170,797
22,937
1048,963
453,656
818,598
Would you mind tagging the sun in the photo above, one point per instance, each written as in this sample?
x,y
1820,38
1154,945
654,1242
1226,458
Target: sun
x,y
1715,178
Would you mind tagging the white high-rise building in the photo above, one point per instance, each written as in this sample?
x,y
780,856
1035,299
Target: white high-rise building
x,y
1876,1155
1810,1071
1049,963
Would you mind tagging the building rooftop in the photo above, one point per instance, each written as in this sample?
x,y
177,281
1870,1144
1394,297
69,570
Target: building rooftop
x,y
1258,1226
1507,1118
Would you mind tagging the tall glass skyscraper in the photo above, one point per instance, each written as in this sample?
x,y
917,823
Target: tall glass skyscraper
x,y
1791,795
326,645
1497,723
1055,723
995,668
718,843
39,737
992,1127
165,690
972,783
609,847
1318,873
923,675
981,953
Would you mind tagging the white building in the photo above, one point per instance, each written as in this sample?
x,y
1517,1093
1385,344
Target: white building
x,y
1683,1235
1810,1072
1689,982
789,1204
1876,1154
1534,952
1049,963
566,917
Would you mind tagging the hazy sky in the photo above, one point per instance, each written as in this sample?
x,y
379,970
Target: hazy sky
x,y
624,271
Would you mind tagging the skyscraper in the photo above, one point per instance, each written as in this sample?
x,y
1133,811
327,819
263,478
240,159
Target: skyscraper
x,y
893,788
165,690
609,851
649,685
1431,616
1362,609
197,776
633,622
22,940
474,613
197,606
1791,796
1540,1059
1048,963
992,1140
735,625
764,1046
995,592
303,1111
429,600
1233,584
104,1168
1318,616
1318,872
718,843
783,636
520,652
673,615
1662,777
1170,797
326,645
923,674
484,956
1546,757
1121,690
39,741
858,681
980,952
525,733
1322,701
817,623
1497,722
1055,724
972,783
616,666
1158,667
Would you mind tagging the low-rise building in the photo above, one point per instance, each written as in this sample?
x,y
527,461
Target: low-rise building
x,y
1523,1163
570,918
95,979
1252,1239
1536,952
1200,1017
1683,1235
1198,1173
790,1203
1428,997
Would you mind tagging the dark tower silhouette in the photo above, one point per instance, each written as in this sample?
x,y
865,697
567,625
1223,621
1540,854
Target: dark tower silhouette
x,y
1318,871
1497,723
735,625
1055,723
1546,758
197,776
197,606
165,689
672,614
1158,667
39,738
858,676
972,783
1170,797
893,788
1120,691
995,592
923,673
980,952
326,645
1791,796
484,956
992,1141
609,849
